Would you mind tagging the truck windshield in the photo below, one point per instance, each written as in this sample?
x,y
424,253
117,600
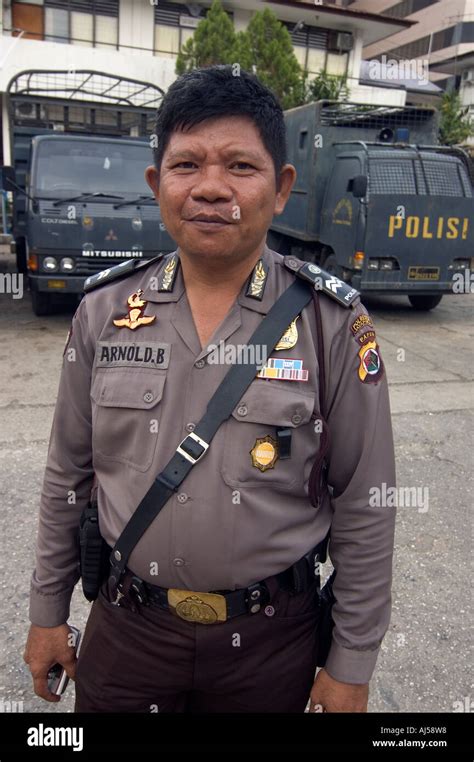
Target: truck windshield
x,y
433,176
64,167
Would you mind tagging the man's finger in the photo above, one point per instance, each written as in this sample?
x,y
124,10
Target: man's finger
x,y
70,667
40,686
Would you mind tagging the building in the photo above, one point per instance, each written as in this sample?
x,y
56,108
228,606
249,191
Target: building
x,y
442,38
140,39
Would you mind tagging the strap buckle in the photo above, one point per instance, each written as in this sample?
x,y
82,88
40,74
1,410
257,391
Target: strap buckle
x,y
189,450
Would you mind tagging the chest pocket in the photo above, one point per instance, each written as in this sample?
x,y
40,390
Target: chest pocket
x,y
126,412
266,406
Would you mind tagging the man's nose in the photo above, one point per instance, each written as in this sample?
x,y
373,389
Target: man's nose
x,y
211,185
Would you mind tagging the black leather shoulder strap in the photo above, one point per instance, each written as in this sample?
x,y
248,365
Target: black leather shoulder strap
x,y
219,408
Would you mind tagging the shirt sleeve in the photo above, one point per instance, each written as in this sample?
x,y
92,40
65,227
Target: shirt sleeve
x,y
67,482
361,476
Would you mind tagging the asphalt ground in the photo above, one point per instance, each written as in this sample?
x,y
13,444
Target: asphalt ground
x,y
424,664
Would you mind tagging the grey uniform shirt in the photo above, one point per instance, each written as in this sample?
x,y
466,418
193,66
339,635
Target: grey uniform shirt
x,y
128,397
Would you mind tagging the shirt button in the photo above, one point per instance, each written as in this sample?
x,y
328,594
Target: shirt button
x,y
296,419
242,410
199,364
190,427
178,562
182,497
148,397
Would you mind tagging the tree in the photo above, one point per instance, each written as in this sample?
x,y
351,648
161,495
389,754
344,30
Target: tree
x,y
265,47
455,126
213,42
328,87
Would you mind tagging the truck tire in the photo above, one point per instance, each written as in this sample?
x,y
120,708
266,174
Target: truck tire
x,y
278,242
424,302
331,266
20,247
41,303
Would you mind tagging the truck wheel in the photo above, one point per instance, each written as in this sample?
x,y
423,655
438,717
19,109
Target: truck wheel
x,y
21,256
41,303
330,265
423,303
279,243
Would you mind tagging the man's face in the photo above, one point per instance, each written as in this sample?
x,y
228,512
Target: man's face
x,y
219,170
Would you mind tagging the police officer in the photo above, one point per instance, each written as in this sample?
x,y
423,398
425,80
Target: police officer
x,y
225,620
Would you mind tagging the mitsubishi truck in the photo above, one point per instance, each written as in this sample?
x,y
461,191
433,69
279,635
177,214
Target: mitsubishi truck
x,y
80,142
377,202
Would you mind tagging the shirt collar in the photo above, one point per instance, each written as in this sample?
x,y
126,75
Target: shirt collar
x,y
151,293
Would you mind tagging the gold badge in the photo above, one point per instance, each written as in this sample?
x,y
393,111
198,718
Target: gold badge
x,y
290,337
264,453
135,317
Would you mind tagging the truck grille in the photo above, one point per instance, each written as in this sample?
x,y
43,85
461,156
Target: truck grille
x,y
91,266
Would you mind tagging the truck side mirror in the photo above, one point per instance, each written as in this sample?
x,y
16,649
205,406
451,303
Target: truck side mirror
x,y
358,186
7,176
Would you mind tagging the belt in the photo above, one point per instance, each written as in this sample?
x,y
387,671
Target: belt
x,y
221,605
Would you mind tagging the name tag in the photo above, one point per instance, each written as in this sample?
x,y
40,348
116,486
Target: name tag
x,y
132,354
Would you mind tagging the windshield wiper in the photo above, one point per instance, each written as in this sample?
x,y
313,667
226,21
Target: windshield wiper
x,y
134,201
83,196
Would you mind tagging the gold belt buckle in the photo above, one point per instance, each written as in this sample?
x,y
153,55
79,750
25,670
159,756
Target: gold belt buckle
x,y
204,608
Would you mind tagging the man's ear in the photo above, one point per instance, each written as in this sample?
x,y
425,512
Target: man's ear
x,y
286,181
152,176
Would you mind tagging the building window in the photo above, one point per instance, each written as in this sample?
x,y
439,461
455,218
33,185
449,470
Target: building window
x,y
310,45
406,8
174,26
453,35
90,23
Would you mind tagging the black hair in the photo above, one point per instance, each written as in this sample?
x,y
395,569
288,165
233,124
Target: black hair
x,y
217,91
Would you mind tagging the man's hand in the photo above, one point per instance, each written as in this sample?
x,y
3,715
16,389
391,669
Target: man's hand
x,y
46,646
329,695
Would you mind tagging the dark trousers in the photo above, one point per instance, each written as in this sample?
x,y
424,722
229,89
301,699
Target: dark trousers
x,y
150,660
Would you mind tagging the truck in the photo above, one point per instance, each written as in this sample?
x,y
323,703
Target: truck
x,y
377,202
80,142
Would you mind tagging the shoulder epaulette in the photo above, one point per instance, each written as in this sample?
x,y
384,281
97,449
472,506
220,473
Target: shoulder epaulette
x,y
343,293
127,267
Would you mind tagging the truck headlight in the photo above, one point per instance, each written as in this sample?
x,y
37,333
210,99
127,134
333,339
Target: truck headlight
x,y
373,264
50,264
67,264
386,264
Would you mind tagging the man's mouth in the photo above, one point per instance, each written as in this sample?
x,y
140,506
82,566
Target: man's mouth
x,y
208,219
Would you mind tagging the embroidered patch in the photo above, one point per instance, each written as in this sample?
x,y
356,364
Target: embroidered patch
x,y
167,276
371,366
365,337
131,354
361,321
257,281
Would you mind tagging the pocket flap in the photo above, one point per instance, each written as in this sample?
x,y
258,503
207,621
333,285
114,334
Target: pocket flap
x,y
134,388
268,402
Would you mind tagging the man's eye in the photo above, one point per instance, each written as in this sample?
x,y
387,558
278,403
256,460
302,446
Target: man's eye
x,y
184,165
243,165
